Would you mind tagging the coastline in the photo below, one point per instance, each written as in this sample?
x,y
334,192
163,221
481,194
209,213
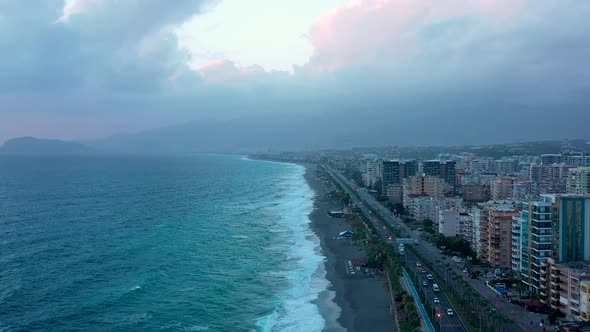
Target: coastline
x,y
351,302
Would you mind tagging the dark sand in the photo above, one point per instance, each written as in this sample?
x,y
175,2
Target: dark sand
x,y
363,300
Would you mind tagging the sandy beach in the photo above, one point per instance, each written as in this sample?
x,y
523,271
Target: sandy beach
x,y
363,300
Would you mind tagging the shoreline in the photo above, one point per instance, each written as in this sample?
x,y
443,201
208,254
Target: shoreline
x,y
358,302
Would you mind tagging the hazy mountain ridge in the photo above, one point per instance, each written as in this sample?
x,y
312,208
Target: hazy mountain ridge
x,y
40,146
404,125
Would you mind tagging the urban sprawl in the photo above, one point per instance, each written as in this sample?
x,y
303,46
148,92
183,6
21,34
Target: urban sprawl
x,y
525,218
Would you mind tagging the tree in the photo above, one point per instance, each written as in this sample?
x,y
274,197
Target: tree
x,y
377,187
357,177
428,226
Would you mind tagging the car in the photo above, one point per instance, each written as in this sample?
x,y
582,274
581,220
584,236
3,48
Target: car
x,y
429,276
450,312
424,283
418,264
424,271
436,300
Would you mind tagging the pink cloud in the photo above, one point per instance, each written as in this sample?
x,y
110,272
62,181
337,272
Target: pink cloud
x,y
385,31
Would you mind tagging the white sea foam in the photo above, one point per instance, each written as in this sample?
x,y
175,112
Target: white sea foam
x,y
295,310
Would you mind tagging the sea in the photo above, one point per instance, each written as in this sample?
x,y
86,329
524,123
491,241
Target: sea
x,y
145,243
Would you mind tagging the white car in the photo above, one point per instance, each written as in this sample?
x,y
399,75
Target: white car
x,y
450,312
436,300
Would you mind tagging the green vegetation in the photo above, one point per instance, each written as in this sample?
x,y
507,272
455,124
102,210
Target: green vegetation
x,y
469,304
341,196
454,244
428,226
396,208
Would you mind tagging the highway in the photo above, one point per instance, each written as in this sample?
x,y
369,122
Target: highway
x,y
520,317
447,323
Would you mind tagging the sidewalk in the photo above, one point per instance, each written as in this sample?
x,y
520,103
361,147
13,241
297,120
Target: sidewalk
x,y
514,312
517,314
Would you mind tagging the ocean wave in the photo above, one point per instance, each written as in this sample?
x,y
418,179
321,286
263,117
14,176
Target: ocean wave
x,y
295,309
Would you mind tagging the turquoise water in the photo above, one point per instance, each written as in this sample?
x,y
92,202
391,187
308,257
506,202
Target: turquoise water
x,y
206,242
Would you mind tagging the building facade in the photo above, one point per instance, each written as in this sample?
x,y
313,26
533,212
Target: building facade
x,y
496,232
445,169
578,181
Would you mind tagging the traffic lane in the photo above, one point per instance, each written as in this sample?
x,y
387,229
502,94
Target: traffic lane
x,y
452,322
449,323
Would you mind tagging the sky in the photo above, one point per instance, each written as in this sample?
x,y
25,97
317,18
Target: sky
x,y
89,69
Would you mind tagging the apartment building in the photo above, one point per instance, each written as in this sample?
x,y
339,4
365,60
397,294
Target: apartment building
x,y
371,172
534,244
578,181
554,230
432,186
445,169
495,230
585,300
393,173
565,287
475,193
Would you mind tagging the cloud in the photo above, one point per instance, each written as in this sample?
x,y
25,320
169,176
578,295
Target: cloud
x,y
515,50
116,60
95,45
387,31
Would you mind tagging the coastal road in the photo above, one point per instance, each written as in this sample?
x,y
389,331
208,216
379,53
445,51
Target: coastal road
x,y
517,314
447,323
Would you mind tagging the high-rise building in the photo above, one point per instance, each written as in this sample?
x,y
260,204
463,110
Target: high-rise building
x,y
496,232
506,166
574,159
443,169
410,168
393,174
534,224
517,236
548,159
578,181
566,281
423,185
372,171
570,222
502,187
553,230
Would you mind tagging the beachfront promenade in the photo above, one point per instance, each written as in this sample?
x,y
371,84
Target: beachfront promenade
x,y
446,322
521,319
